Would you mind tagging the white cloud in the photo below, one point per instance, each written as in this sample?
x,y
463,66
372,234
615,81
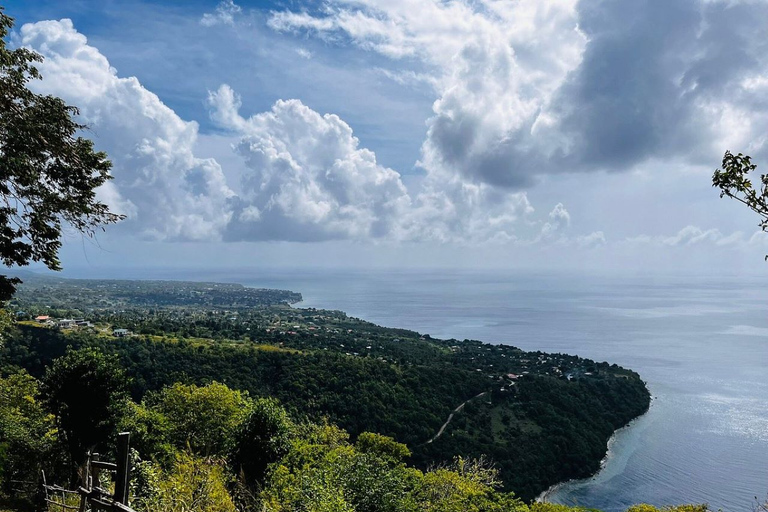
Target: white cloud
x,y
559,220
166,191
691,235
759,238
495,67
308,178
596,239
456,211
224,15
536,87
304,53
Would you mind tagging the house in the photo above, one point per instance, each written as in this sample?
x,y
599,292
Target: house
x,y
65,323
121,332
42,318
82,323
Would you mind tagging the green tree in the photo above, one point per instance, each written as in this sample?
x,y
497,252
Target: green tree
x,y
48,173
264,438
382,446
27,431
193,484
203,418
734,181
150,431
85,389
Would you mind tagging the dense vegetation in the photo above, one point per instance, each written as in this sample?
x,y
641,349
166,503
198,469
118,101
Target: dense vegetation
x,y
214,449
362,377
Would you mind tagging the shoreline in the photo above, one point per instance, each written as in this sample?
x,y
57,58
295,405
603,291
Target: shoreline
x,y
546,494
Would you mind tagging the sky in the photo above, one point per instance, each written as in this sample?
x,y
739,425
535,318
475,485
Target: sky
x,y
542,134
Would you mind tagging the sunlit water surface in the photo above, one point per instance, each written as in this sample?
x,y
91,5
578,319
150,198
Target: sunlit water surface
x,y
700,343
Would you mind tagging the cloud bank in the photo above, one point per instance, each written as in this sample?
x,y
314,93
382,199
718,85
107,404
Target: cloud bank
x,y
307,178
539,87
523,91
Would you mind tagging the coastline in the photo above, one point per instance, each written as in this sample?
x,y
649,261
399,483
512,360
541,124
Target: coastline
x,y
609,454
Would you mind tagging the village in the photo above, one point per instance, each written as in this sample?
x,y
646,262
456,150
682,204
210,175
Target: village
x,y
299,329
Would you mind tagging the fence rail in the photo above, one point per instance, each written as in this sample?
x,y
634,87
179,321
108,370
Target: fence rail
x,y
92,497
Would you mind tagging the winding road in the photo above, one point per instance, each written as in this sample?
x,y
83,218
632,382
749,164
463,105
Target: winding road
x,y
450,417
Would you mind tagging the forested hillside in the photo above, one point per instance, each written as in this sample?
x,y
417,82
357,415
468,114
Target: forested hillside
x,y
215,449
553,413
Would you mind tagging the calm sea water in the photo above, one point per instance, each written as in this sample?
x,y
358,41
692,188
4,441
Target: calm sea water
x,y
701,344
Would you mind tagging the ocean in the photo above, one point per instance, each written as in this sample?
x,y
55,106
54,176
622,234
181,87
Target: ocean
x,y
700,343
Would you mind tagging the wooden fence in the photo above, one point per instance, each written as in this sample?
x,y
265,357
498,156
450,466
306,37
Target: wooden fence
x,y
91,496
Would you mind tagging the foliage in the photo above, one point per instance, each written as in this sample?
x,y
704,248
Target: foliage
x,y
342,477
733,181
306,466
85,389
121,294
382,446
263,438
555,507
569,423
27,430
406,401
450,491
150,431
325,364
203,418
49,173
193,484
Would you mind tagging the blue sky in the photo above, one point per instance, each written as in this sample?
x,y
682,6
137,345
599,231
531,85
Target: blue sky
x,y
515,133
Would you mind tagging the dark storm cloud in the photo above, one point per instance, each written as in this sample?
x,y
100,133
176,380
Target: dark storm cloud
x,y
674,80
649,70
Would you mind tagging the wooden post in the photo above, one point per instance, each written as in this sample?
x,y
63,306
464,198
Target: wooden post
x,y
123,468
86,481
45,486
95,477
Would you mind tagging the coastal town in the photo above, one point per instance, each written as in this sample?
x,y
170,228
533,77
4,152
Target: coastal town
x,y
210,313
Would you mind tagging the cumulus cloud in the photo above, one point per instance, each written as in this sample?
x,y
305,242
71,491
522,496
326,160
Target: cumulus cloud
x,y
224,15
595,239
559,220
537,87
454,210
307,176
166,191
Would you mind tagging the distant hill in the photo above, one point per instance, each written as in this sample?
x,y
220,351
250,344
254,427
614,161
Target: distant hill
x,y
58,292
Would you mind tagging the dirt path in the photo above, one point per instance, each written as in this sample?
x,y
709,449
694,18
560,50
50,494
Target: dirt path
x,y
450,417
